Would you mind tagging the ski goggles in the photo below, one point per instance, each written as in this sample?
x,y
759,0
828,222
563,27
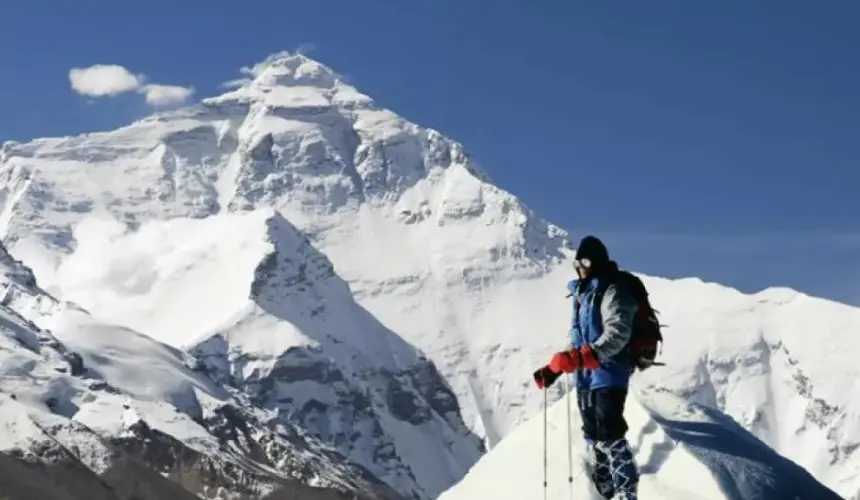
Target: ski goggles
x,y
581,263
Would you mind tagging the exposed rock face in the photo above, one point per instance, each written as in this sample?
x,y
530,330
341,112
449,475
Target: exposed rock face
x,y
248,476
346,379
63,479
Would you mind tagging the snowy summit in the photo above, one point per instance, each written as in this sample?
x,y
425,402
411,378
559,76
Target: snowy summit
x,y
289,274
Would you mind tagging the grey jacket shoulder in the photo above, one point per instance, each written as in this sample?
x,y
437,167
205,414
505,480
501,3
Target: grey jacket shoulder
x,y
617,309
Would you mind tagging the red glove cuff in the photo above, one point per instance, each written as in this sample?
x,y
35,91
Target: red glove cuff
x,y
574,359
565,361
589,359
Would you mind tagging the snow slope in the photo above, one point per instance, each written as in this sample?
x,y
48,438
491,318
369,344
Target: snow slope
x,y
42,384
105,411
685,452
778,362
452,264
164,398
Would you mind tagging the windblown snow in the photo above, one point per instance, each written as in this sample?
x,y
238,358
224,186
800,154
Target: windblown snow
x,y
684,451
171,279
359,276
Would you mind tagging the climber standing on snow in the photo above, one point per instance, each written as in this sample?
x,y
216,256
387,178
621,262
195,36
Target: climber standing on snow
x,y
602,367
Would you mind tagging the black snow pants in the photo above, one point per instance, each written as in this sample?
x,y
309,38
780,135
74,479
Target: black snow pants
x,y
613,468
602,412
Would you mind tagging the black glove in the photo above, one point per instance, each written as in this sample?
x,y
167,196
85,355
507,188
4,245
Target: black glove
x,y
544,377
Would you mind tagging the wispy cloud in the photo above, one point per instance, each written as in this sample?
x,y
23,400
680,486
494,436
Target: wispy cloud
x,y
306,48
164,95
236,83
104,80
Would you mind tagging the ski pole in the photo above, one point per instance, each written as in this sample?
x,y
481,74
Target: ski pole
x,y
569,384
544,444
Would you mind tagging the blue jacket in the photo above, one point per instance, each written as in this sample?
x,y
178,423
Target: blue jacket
x,y
606,328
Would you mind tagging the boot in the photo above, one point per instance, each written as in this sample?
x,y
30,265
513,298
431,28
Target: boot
x,y
623,469
599,471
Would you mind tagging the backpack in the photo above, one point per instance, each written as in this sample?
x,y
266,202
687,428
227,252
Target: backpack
x,y
646,333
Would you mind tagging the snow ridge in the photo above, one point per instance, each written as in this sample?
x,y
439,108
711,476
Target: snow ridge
x,y
685,451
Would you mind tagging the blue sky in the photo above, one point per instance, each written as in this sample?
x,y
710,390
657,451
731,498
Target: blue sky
x,y
716,139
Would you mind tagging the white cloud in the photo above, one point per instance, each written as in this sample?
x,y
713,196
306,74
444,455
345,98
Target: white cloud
x,y
164,95
103,80
100,80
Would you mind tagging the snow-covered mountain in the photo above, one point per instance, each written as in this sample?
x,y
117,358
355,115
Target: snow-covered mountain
x,y
105,412
406,217
684,451
263,312
778,362
189,226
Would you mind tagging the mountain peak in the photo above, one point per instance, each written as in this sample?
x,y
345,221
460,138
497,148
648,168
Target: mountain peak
x,y
290,80
285,68
291,133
